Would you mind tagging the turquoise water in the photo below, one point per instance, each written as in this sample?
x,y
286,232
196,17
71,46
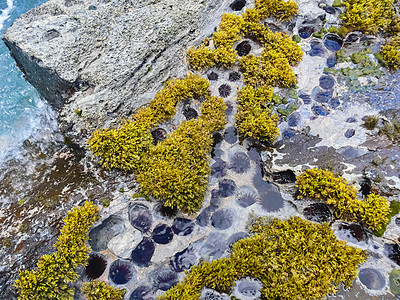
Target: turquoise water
x,y
22,112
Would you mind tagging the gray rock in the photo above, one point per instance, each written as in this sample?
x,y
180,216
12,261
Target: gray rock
x,y
109,60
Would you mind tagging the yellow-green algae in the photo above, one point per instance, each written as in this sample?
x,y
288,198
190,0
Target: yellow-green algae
x,y
391,53
98,290
272,68
177,169
370,16
54,272
293,259
372,211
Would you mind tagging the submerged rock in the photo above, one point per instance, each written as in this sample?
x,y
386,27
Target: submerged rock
x,y
183,260
102,234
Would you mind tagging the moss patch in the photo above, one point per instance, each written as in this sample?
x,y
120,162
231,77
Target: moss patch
x,y
293,259
373,211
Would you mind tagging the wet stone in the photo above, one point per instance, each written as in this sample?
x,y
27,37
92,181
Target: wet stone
x,y
222,219
334,102
237,5
140,217
96,266
331,61
224,90
229,110
227,188
289,133
306,98
317,212
247,196
189,113
230,135
215,200
329,10
203,219
306,31
243,48
164,279
393,252
397,221
249,288
351,38
162,234
102,234
320,95
234,76
240,163
219,168
143,252
326,82
333,42
254,155
351,120
121,272
294,119
371,278
158,134
283,177
349,133
182,227
355,230
209,294
319,110
212,76
271,201
215,246
317,49
237,236
142,292
183,260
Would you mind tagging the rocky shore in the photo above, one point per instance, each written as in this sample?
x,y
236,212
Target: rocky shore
x,y
97,62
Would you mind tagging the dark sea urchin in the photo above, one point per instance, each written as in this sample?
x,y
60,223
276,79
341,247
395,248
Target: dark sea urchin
x,y
224,90
240,163
121,272
96,266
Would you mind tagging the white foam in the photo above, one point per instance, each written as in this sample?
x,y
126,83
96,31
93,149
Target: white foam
x,y
5,13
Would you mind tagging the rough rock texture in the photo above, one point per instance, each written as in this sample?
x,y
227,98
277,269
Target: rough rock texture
x,y
98,61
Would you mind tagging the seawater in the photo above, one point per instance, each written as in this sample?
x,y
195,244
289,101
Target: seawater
x,y
23,114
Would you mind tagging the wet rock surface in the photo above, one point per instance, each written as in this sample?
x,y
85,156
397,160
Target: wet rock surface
x,y
159,243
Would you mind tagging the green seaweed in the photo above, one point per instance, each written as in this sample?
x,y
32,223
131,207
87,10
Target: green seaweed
x,y
373,211
292,259
55,272
98,290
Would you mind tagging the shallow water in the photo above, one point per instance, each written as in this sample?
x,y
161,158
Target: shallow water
x,y
22,113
